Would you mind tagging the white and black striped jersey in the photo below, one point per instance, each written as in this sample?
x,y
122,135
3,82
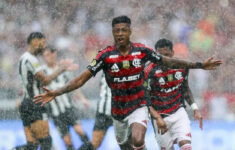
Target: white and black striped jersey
x,y
62,102
104,104
28,67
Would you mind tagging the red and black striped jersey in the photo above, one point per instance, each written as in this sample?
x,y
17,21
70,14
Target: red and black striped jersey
x,y
125,76
165,87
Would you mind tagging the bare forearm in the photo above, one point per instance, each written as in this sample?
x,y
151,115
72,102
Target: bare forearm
x,y
53,76
75,83
175,63
46,79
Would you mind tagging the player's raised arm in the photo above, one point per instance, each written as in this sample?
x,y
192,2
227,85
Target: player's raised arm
x,y
72,85
208,64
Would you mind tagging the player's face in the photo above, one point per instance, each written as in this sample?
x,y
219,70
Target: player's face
x,y
49,57
121,34
38,45
166,51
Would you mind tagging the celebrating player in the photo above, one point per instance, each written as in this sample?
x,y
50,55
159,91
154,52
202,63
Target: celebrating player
x,y
123,64
168,90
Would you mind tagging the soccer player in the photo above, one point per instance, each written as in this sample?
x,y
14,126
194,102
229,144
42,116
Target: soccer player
x,y
62,109
123,64
34,117
103,118
168,89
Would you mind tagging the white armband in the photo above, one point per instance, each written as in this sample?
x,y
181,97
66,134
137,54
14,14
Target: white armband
x,y
194,106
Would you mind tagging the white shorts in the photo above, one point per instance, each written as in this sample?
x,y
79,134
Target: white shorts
x,y
122,128
179,129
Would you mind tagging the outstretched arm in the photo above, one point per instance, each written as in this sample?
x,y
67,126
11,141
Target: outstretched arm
x,y
72,85
188,96
208,64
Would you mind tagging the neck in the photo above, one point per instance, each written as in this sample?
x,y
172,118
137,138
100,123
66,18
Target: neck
x,y
31,51
124,49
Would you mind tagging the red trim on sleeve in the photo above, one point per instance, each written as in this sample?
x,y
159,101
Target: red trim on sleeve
x,y
141,45
148,69
108,49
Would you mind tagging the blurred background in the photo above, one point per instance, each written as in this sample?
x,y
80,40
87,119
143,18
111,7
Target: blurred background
x,y
78,29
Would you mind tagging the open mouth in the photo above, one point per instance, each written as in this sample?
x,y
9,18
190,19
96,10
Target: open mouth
x,y
120,40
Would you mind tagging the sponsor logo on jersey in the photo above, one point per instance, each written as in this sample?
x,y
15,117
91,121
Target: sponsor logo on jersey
x,y
114,68
171,89
178,75
161,81
136,63
129,78
126,64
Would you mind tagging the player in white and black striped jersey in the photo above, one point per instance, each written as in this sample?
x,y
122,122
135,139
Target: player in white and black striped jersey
x,y
62,109
103,118
34,117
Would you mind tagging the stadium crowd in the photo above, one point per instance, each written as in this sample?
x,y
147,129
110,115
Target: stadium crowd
x,y
79,29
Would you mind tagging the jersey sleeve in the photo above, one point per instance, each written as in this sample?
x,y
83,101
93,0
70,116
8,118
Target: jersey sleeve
x,y
153,56
97,63
33,65
186,74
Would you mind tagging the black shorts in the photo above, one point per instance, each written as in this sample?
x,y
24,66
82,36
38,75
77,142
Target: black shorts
x,y
30,112
102,122
65,120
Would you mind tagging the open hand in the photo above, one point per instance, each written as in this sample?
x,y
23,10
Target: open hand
x,y
45,97
197,116
210,63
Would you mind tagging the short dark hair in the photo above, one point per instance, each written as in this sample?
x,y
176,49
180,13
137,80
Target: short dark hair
x,y
164,43
35,35
121,19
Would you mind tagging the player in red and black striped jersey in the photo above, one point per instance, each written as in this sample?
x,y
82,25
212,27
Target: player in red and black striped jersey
x,y
123,65
169,89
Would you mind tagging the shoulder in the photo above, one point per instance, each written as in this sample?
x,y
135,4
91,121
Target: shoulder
x,y
30,57
148,68
140,45
104,51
